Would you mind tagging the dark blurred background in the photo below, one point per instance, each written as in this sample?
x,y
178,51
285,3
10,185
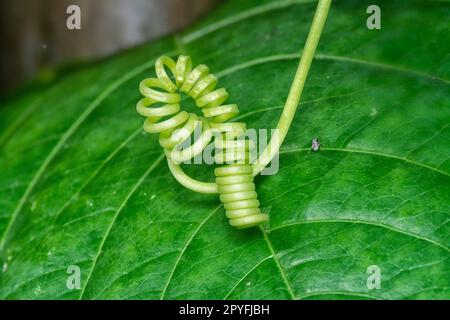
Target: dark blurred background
x,y
34,35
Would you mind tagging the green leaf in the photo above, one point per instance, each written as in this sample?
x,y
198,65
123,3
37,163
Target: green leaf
x,y
81,184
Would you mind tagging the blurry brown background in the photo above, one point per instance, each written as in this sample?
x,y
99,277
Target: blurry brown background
x,y
33,33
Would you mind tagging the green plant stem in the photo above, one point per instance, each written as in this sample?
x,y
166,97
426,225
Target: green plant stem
x,y
296,90
289,110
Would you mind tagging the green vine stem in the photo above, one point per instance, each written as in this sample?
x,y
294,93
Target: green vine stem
x,y
234,178
287,115
290,107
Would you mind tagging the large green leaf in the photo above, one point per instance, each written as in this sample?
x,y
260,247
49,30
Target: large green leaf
x,y
81,184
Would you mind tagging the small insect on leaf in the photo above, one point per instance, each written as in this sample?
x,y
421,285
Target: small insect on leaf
x,y
315,145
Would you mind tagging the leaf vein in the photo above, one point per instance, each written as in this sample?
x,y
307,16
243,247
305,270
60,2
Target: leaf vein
x,y
280,267
375,153
183,250
108,231
356,221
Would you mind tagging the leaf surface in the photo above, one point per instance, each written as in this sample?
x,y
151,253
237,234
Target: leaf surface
x,y
81,184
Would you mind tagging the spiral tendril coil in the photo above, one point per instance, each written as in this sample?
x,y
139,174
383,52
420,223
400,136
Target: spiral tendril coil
x,y
161,107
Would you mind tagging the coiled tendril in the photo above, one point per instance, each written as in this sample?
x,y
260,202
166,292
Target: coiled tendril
x,y
234,182
161,106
